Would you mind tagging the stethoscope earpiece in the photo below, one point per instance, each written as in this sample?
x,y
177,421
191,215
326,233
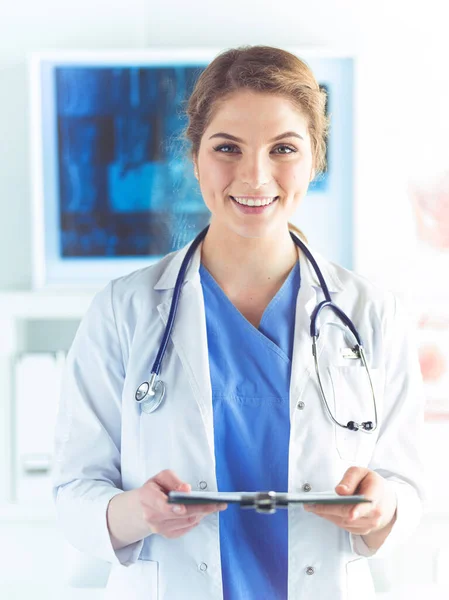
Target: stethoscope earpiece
x,y
365,426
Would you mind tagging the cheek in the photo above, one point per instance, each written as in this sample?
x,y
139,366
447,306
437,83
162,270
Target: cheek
x,y
294,177
215,176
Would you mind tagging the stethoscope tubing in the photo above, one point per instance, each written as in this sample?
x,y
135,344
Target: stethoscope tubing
x,y
175,300
149,389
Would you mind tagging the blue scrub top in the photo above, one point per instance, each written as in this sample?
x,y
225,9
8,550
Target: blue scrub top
x,y
250,376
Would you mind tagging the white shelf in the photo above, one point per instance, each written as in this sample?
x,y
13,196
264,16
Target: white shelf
x,y
64,304
16,308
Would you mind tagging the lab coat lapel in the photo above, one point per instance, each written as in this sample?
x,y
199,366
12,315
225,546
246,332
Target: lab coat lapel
x,y
302,347
189,338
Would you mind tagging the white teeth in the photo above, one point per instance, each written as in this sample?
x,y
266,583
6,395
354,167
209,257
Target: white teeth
x,y
251,202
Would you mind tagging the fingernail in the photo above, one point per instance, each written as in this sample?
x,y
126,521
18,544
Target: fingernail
x,y
181,486
178,509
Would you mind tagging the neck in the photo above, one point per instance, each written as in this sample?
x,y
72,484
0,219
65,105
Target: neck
x,y
237,262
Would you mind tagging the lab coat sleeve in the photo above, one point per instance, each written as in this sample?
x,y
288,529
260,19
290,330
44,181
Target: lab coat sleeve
x,y
398,453
86,472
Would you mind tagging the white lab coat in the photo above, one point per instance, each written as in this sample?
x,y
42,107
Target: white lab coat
x,y
105,444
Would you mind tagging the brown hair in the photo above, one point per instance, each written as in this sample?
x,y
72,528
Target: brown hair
x,y
298,232
261,69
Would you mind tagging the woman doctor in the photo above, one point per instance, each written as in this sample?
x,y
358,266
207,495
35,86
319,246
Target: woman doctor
x,y
243,409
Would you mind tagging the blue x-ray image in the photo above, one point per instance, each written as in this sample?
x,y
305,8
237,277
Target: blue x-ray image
x,y
115,189
126,183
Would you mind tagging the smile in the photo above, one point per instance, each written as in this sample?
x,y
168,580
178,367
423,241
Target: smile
x,y
254,200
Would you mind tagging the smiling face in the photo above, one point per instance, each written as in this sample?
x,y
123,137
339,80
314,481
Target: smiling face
x,y
254,163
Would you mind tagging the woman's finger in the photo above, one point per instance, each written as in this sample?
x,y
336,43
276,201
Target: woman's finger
x,y
175,533
351,480
360,526
168,480
205,509
155,500
329,510
181,522
180,525
363,509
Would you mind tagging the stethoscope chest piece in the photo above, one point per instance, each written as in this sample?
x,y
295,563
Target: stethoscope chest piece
x,y
150,395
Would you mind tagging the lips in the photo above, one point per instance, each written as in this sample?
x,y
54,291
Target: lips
x,y
240,203
254,201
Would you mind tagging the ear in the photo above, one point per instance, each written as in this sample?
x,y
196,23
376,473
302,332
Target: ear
x,y
312,175
195,170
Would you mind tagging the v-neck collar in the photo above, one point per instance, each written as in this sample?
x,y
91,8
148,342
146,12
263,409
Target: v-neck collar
x,y
271,305
279,294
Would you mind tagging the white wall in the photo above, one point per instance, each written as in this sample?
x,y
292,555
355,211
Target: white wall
x,y
401,45
26,26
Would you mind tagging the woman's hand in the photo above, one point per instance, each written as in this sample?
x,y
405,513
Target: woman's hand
x,y
170,520
372,520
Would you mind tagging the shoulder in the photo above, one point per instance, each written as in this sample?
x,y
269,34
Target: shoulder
x,y
135,290
364,301
374,306
142,281
351,283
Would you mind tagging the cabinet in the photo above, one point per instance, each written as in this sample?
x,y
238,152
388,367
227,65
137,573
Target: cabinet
x,y
34,559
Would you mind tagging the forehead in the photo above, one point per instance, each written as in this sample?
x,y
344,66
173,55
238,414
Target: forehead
x,y
248,111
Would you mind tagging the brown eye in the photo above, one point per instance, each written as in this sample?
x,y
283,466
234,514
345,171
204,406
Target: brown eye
x,y
226,149
283,149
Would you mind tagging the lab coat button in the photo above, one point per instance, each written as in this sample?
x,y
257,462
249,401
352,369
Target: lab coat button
x,y
310,570
202,567
202,485
307,487
301,405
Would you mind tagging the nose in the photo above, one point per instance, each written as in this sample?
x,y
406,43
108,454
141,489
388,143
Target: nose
x,y
254,171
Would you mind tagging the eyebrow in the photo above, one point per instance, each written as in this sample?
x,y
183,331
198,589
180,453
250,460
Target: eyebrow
x,y
233,138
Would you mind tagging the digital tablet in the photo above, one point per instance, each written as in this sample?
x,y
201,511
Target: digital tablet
x,y
254,499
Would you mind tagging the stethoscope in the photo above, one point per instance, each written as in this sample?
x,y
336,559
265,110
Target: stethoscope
x,y
150,394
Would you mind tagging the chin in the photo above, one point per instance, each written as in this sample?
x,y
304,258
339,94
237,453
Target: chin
x,y
254,231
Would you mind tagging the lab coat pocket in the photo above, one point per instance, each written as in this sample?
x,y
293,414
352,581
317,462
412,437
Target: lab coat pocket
x,y
359,583
351,399
136,582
